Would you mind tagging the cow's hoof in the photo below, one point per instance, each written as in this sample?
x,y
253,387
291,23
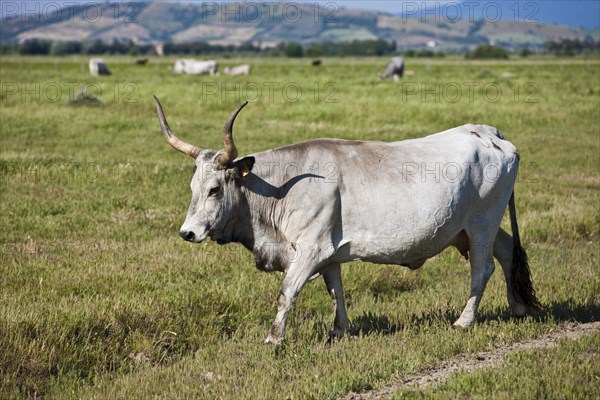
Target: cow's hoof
x,y
334,336
519,310
279,349
271,340
461,324
279,344
331,339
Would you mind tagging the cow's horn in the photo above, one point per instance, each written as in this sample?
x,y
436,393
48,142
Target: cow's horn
x,y
230,150
177,144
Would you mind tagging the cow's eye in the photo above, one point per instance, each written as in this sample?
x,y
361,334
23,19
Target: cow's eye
x,y
214,191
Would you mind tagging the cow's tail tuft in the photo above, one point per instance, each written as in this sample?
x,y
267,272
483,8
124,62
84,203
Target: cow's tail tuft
x,y
522,287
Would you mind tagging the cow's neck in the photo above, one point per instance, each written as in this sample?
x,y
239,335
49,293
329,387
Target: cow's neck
x,y
257,229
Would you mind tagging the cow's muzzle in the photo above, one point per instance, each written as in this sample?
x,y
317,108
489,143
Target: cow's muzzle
x,y
191,236
188,235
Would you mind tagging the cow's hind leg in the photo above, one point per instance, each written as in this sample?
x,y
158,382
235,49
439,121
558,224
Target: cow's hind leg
x,y
503,252
482,267
332,274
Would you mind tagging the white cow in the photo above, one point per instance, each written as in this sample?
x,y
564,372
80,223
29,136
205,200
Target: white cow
x,y
98,67
394,69
306,208
237,70
195,67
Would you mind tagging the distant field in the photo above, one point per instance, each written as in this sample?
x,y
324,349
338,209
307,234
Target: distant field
x,y
100,298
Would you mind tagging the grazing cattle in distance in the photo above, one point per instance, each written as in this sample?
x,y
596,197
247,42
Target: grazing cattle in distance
x,y
237,70
394,69
316,63
195,67
306,208
141,61
98,67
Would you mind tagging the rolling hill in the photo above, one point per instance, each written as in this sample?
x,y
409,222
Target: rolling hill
x,y
268,24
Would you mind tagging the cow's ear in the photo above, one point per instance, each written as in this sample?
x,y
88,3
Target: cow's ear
x,y
244,166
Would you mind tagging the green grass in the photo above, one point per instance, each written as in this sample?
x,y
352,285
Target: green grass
x,y
569,371
100,297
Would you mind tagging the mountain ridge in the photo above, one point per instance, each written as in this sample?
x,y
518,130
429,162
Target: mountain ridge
x,y
268,24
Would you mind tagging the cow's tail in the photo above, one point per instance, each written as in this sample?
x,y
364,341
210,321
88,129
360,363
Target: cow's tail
x,y
522,287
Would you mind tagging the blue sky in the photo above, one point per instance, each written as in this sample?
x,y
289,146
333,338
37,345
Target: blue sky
x,y
579,13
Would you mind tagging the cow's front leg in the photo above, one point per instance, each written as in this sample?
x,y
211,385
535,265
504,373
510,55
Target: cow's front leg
x,y
294,281
310,256
332,274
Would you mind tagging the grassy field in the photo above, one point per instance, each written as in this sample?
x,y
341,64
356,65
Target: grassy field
x,y
100,298
572,361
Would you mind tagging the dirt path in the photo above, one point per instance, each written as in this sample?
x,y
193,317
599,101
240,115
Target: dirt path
x,y
471,362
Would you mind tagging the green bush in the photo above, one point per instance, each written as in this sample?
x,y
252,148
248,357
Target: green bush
x,y
487,51
525,52
294,50
424,53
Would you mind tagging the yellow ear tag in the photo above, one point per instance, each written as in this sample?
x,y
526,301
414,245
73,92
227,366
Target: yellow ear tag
x,y
245,170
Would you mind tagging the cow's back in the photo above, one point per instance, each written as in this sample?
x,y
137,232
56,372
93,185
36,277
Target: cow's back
x,y
419,194
393,196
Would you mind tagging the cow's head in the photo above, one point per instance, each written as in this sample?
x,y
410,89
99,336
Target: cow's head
x,y
216,183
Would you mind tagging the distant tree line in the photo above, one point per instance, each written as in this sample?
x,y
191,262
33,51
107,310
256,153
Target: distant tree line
x,y
423,53
570,47
376,47
97,47
290,49
487,51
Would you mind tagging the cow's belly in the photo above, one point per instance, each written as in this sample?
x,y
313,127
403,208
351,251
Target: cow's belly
x,y
410,248
406,229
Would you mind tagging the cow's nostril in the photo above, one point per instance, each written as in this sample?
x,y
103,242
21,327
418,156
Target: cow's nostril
x,y
187,235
